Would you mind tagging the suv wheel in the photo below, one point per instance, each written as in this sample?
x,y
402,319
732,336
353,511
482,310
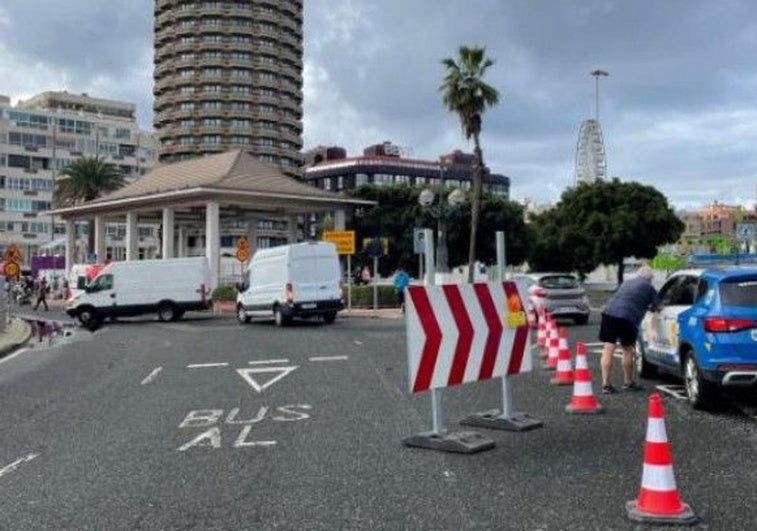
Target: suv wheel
x,y
643,368
699,392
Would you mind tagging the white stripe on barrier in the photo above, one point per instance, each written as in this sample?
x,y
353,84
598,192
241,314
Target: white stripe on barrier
x,y
656,431
476,357
658,478
416,337
450,335
504,352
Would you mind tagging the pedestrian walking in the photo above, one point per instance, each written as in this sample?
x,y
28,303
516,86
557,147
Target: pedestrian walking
x,y
401,280
621,318
42,294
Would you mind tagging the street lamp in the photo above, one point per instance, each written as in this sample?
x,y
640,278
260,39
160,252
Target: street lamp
x,y
439,210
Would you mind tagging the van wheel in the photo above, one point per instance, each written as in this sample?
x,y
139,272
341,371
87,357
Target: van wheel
x,y
329,318
280,318
242,316
167,312
87,315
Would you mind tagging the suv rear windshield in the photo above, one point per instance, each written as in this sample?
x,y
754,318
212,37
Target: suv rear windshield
x,y
559,282
739,292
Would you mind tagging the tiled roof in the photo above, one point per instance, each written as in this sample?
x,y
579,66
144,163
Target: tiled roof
x,y
231,170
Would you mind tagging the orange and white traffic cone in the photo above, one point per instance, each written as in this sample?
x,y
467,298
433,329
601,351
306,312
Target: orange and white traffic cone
x,y
553,345
583,400
658,500
541,335
554,353
564,374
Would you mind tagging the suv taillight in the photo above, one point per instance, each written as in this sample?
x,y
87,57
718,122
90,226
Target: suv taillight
x,y
289,292
724,324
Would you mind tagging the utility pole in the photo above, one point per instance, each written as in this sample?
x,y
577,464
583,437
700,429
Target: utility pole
x,y
597,73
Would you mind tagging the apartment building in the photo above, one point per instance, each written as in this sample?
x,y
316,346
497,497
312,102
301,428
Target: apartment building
x,y
42,135
228,75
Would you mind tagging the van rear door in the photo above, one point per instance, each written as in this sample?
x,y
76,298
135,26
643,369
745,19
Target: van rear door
x,y
315,274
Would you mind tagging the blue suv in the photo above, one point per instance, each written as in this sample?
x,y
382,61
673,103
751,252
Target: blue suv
x,y
704,333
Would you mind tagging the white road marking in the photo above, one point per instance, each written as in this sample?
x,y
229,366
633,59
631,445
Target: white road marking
x,y
328,358
203,365
594,344
17,353
677,391
282,371
151,377
15,464
358,342
261,362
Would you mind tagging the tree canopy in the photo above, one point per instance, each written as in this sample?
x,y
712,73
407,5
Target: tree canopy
x,y
603,223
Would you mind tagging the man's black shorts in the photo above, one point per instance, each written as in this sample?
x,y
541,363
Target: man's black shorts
x,y
613,329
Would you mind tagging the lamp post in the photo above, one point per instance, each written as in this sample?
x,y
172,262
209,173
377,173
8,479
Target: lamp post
x,y
439,210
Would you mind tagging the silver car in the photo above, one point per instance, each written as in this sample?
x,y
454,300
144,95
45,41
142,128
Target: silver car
x,y
560,294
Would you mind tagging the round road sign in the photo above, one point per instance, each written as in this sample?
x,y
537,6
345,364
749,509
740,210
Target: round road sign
x,y
11,269
243,254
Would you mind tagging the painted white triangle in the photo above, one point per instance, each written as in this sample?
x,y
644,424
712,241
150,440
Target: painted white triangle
x,y
279,372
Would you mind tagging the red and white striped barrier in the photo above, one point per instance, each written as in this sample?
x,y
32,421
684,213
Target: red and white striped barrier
x,y
464,333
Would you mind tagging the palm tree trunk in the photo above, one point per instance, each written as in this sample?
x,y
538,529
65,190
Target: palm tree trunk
x,y
478,164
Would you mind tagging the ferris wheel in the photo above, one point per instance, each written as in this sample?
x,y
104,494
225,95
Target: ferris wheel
x,y
591,162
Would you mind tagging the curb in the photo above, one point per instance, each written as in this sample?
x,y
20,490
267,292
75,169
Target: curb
x,y
11,347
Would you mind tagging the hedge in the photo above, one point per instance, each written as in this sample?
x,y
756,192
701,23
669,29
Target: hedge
x,y
225,293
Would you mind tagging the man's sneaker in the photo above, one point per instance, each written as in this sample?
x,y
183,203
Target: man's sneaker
x,y
632,386
608,390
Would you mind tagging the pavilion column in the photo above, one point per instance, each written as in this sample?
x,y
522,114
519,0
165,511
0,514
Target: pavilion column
x,y
339,219
181,242
292,229
252,234
132,236
70,245
168,234
213,240
100,250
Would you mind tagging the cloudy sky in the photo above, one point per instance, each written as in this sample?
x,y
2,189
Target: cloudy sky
x,y
678,108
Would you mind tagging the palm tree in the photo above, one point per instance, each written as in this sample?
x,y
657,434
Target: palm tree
x,y
83,180
466,94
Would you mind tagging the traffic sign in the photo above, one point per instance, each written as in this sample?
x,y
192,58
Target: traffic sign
x,y
466,333
745,232
243,254
13,254
343,239
11,269
419,245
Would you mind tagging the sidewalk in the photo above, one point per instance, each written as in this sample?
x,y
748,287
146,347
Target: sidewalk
x,y
14,336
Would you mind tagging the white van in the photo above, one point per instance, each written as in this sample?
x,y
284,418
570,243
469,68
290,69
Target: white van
x,y
168,287
297,280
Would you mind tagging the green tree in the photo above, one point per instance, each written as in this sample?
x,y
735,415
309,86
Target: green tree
x,y
465,93
603,223
83,180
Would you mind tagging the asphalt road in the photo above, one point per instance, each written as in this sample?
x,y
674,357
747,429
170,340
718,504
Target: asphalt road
x,y
206,424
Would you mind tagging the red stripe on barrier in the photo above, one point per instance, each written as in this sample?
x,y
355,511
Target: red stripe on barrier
x,y
464,340
521,335
433,338
495,330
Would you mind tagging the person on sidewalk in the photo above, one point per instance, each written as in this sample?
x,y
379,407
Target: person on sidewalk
x,y
621,318
401,280
42,294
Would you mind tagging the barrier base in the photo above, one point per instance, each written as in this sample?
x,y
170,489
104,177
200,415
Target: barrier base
x,y
687,517
493,420
461,442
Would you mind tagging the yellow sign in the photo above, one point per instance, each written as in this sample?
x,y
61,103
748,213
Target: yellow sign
x,y
343,239
11,269
243,254
13,254
242,243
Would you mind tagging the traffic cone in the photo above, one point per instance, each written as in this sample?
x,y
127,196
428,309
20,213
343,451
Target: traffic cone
x,y
658,500
553,345
541,335
564,374
583,400
554,353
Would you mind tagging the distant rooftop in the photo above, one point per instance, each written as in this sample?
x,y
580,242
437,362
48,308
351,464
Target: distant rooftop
x,y
54,100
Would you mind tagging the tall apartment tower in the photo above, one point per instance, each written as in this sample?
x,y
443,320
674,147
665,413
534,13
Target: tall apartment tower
x,y
228,75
